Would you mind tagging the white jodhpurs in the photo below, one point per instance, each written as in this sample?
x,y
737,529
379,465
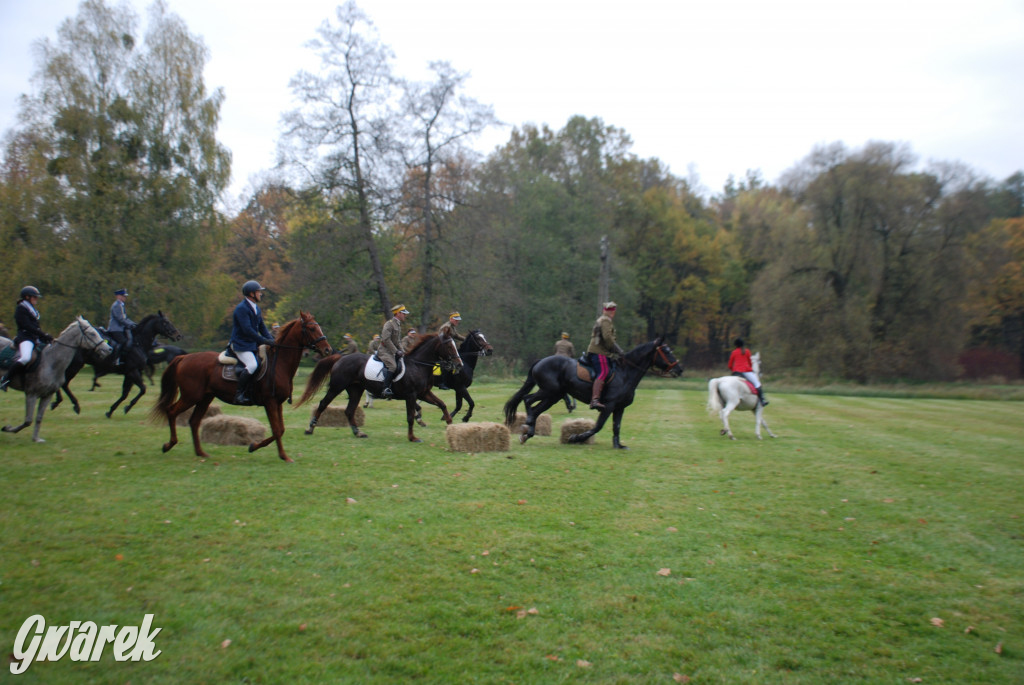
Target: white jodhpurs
x,y
752,377
249,359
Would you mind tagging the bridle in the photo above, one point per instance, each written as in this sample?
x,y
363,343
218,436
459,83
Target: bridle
x,y
481,350
82,335
306,333
662,354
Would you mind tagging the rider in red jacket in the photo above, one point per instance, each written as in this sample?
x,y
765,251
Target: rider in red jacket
x,y
740,365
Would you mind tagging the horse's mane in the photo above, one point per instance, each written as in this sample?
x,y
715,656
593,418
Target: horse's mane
x,y
421,341
147,318
286,328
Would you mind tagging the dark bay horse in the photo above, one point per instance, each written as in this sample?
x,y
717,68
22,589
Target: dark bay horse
x,y
42,379
159,354
199,379
472,348
346,373
133,362
555,377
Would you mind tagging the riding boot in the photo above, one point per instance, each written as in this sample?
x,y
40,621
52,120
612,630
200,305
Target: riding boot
x,y
595,398
387,392
9,376
760,396
242,392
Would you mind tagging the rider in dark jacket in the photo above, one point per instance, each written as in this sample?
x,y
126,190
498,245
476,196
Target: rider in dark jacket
x,y
248,332
26,316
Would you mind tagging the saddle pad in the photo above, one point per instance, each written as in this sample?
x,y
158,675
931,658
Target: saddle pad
x,y
7,356
585,373
750,385
374,370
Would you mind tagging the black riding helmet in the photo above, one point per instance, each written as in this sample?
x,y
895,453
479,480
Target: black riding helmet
x,y
30,291
250,287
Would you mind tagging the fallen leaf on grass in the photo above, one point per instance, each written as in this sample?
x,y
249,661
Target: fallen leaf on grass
x,y
583,663
999,648
938,623
664,571
225,644
552,657
680,678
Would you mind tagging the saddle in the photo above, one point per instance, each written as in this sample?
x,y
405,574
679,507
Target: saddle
x,y
374,369
586,373
9,353
744,379
229,362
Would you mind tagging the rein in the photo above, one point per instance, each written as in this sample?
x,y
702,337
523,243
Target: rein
x,y
81,331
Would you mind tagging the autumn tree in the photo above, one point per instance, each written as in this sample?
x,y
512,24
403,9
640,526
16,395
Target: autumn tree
x,y
126,131
339,139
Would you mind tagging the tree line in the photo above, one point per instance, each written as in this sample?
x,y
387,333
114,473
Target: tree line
x,y
857,264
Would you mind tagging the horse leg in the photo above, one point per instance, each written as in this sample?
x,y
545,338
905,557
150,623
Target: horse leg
x,y
759,417
142,391
410,416
354,394
193,422
724,414
616,425
439,403
602,417
276,419
74,400
321,408
126,387
39,418
419,416
469,403
532,413
30,411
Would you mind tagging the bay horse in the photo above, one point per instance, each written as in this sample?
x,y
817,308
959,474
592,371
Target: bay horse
x,y
472,348
726,393
556,376
346,373
195,380
133,363
41,381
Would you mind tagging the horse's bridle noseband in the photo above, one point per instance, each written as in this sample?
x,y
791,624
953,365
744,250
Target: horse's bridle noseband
x,y
81,329
660,352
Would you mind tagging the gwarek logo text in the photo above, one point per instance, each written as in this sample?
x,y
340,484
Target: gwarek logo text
x,y
81,641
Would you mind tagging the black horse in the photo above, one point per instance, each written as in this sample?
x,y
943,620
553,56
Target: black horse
x,y
556,376
159,354
133,361
347,373
472,348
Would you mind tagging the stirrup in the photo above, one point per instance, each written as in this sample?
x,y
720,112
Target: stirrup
x,y
387,393
596,404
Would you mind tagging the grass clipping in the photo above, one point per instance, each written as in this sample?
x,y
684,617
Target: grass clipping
x,y
541,427
572,427
477,437
232,430
334,417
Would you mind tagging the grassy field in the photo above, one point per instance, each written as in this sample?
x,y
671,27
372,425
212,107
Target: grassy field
x,y
877,540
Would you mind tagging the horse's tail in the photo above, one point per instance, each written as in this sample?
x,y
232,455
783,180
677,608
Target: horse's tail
x,y
321,372
513,402
168,392
714,399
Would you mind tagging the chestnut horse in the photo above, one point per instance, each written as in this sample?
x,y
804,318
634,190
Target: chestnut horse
x,y
347,373
199,379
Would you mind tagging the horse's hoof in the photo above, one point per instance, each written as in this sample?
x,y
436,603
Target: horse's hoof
x,y
422,424
309,431
108,414
77,409
621,447
465,419
523,438
167,446
38,440
732,437
361,434
415,440
288,460
722,432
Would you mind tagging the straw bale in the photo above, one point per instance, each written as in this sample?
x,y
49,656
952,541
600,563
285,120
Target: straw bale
x,y
232,430
484,436
334,417
541,427
575,427
211,411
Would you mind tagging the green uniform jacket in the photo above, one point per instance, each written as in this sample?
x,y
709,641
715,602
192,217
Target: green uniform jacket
x,y
603,339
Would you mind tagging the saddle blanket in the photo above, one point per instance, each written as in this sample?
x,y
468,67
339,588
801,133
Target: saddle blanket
x,y
587,374
228,362
374,370
750,386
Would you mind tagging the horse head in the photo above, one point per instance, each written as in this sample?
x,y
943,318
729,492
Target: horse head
x,y
313,336
476,337
664,360
755,363
89,339
164,327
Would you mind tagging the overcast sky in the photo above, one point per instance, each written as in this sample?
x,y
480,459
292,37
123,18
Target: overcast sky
x,y
713,87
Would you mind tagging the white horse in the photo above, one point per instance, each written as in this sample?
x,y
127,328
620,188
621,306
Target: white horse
x,y
730,392
41,382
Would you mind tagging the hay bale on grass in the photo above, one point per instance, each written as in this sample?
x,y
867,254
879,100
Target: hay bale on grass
x,y
575,427
334,417
211,411
232,430
541,427
484,436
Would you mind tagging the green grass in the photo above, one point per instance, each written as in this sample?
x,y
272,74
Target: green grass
x,y
821,556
